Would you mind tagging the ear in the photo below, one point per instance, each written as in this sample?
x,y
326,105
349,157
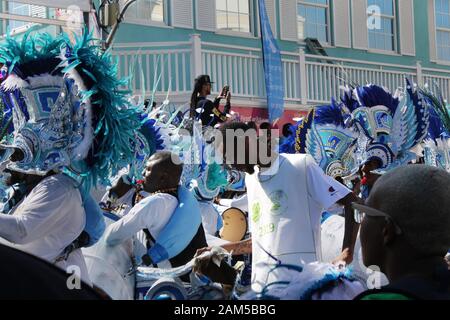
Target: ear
x,y
389,233
163,176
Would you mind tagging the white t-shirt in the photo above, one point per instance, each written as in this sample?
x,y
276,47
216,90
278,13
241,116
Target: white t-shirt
x,y
152,213
210,217
49,219
284,214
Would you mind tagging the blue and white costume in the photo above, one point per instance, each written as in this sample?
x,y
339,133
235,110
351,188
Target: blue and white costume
x,y
389,126
62,105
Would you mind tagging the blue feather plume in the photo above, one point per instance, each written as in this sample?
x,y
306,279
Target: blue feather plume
x,y
373,95
151,133
329,114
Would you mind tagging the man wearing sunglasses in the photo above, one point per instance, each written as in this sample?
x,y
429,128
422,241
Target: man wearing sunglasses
x,y
405,233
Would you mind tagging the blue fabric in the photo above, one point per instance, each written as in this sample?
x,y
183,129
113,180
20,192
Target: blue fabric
x,y
219,222
95,223
180,230
273,68
158,253
325,216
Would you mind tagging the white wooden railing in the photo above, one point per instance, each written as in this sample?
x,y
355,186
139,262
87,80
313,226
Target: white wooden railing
x,y
308,79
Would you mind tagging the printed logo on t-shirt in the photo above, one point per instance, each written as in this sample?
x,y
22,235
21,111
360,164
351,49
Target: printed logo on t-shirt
x,y
266,229
332,191
256,212
279,201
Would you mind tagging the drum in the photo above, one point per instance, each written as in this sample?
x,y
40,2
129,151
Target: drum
x,y
234,225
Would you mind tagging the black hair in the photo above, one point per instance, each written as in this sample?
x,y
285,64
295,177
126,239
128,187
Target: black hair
x,y
233,126
252,125
287,129
194,97
165,160
265,126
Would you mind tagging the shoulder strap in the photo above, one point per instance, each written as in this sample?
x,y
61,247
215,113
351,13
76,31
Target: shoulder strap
x,y
149,238
150,241
308,214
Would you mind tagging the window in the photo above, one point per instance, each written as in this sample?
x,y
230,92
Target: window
x,y
233,15
24,10
146,11
442,12
313,20
382,33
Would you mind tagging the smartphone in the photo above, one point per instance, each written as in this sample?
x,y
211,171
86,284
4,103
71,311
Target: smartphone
x,y
225,90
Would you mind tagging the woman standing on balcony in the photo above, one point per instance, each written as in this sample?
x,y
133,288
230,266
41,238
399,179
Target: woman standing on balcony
x,y
206,110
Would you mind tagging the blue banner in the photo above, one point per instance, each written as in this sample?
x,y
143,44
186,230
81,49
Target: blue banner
x,y
273,70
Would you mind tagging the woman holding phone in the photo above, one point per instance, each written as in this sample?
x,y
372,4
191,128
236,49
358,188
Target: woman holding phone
x,y
206,110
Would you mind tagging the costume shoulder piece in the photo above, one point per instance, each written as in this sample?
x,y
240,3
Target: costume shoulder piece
x,y
65,109
325,136
437,142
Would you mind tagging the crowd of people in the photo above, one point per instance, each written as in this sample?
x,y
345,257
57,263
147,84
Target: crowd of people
x,y
70,132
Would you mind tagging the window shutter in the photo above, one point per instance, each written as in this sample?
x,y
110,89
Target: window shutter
x,y
359,24
341,23
270,7
206,14
182,13
38,11
432,30
406,24
288,19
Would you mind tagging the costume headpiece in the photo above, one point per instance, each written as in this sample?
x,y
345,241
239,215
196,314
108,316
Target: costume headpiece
x,y
437,143
389,126
68,113
146,142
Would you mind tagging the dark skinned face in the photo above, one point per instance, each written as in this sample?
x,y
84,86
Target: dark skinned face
x,y
367,169
235,163
206,89
160,176
378,237
15,177
152,177
371,236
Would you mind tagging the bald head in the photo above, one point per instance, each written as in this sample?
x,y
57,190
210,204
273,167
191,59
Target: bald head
x,y
417,197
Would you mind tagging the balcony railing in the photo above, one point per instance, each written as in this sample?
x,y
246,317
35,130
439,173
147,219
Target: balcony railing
x,y
308,79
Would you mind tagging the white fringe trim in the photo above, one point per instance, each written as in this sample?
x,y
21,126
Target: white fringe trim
x,y
14,82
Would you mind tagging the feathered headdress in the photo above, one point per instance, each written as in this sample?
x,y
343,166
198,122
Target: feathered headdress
x,y
389,125
67,109
325,136
437,144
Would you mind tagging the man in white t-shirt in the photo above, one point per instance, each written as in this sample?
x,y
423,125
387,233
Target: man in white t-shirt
x,y
286,196
47,220
161,181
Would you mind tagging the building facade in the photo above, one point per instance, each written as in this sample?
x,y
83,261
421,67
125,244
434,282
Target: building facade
x,y
166,43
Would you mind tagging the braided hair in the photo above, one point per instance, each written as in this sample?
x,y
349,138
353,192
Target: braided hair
x,y
194,98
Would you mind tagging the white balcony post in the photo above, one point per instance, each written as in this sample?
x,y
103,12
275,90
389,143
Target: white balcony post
x,y
419,71
303,77
196,62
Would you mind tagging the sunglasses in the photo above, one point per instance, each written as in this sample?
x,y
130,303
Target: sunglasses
x,y
361,211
